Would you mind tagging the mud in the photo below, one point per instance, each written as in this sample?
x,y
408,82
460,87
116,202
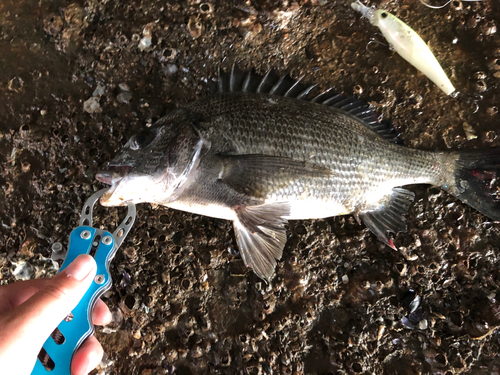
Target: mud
x,y
77,79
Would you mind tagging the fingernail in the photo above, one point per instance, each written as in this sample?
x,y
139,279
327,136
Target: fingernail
x,y
80,267
108,318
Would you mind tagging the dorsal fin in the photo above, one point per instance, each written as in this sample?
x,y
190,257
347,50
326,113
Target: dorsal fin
x,y
238,80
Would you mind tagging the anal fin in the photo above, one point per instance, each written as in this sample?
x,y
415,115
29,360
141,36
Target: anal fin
x,y
261,235
388,217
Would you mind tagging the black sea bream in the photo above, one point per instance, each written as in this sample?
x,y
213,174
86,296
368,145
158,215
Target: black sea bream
x,y
259,153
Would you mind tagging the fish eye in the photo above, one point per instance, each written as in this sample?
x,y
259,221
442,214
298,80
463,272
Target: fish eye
x,y
141,140
384,15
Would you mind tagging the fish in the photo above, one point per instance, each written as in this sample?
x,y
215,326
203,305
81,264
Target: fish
x,y
263,150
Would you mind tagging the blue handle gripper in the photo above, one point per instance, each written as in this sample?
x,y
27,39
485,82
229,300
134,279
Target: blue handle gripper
x,y
57,352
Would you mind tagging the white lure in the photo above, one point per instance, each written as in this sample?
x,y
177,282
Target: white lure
x,y
407,43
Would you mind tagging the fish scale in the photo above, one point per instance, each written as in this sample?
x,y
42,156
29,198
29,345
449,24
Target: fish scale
x,y
259,159
341,148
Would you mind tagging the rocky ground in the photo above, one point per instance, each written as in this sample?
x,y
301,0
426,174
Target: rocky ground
x,y
77,79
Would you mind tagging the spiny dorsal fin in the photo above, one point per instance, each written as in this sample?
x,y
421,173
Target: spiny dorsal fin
x,y
388,217
238,80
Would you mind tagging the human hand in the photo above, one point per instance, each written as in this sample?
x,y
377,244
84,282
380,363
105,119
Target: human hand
x,y
31,310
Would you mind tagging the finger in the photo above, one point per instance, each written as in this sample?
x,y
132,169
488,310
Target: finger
x,y
40,314
101,314
12,295
15,294
87,357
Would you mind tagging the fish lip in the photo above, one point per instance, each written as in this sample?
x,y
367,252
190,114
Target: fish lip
x,y
107,195
113,174
104,177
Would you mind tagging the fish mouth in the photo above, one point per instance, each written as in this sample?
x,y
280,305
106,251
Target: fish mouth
x,y
112,176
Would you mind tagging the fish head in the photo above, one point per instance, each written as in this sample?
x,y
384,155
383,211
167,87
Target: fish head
x,y
155,165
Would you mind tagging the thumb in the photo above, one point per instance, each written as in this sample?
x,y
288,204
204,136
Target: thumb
x,y
43,312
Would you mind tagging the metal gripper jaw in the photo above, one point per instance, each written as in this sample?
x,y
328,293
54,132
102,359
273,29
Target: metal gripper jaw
x,y
57,352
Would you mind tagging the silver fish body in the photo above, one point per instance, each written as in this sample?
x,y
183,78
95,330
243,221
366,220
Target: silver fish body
x,y
261,157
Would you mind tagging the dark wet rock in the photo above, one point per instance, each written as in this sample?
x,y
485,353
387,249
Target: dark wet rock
x,y
99,91
144,43
22,270
411,301
16,84
124,97
124,87
92,105
74,15
413,319
206,8
53,24
195,26
170,69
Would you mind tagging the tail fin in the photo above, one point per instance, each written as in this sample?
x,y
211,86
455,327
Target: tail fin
x,y
477,181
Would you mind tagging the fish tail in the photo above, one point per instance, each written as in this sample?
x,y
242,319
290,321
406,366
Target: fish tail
x,y
477,181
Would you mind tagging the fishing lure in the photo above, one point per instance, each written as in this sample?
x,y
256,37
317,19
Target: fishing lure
x,y
407,43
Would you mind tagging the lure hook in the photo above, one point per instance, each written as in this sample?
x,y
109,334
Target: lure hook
x,y
435,6
374,41
441,6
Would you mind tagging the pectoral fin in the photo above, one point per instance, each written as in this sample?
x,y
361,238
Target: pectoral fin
x,y
254,175
261,235
389,216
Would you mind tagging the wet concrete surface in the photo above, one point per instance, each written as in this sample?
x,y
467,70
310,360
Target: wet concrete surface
x,y
77,79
